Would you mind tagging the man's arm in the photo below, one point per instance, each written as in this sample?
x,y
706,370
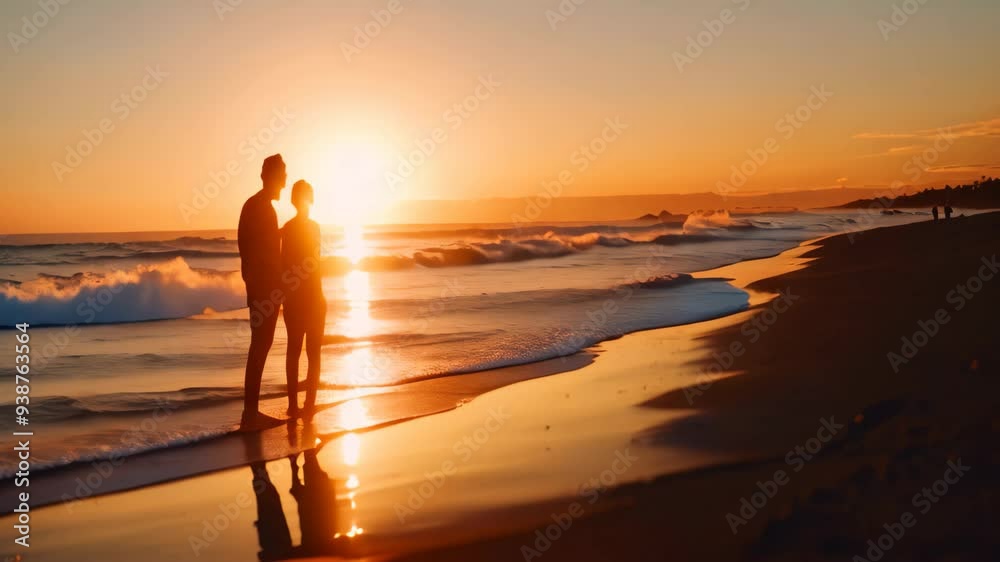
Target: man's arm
x,y
254,261
243,242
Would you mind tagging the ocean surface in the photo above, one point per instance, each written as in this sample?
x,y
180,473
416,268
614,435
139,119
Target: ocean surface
x,y
139,340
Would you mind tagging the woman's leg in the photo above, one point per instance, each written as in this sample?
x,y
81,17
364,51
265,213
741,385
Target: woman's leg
x,y
314,351
295,337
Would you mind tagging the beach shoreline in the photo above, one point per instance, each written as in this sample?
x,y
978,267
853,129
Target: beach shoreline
x,y
705,428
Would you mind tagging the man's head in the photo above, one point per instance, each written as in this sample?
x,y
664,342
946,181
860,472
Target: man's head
x,y
302,196
274,176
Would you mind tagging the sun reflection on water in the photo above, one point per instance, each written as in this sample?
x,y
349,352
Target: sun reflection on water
x,y
353,246
356,324
350,448
353,319
357,293
353,414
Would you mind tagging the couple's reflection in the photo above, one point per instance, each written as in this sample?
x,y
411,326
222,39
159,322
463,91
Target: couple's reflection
x,y
272,528
316,497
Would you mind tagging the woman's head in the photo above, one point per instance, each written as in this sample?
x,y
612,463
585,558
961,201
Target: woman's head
x,y
302,195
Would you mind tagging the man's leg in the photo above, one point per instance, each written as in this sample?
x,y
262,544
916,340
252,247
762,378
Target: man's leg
x,y
262,327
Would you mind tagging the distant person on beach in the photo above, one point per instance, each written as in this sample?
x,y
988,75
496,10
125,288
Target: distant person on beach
x,y
934,212
260,261
305,305
947,212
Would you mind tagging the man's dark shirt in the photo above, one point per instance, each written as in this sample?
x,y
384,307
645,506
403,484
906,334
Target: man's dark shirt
x,y
260,247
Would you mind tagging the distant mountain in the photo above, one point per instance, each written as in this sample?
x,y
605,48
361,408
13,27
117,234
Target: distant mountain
x,y
983,194
544,208
664,216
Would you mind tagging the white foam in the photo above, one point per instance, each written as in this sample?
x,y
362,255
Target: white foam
x,y
146,292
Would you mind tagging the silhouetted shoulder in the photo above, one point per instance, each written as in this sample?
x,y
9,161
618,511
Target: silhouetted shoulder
x,y
293,226
259,243
257,214
245,214
251,205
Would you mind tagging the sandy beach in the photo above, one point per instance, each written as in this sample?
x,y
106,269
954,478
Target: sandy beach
x,y
788,431
500,281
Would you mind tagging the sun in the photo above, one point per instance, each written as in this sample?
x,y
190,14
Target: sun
x,y
350,190
353,184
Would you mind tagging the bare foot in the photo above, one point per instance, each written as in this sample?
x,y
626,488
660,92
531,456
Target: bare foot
x,y
308,412
260,423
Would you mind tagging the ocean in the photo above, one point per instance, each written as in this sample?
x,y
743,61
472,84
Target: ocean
x,y
139,339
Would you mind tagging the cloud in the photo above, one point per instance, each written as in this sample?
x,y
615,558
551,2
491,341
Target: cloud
x,y
896,151
963,168
989,128
974,129
884,136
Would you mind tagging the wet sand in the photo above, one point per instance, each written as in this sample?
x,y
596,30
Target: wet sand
x,y
787,423
915,470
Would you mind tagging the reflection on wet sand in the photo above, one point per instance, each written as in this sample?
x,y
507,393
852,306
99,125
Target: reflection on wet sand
x,y
272,527
315,494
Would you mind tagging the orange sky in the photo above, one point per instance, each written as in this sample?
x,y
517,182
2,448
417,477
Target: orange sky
x,y
191,97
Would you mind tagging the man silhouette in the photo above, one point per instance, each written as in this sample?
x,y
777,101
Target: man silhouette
x,y
260,258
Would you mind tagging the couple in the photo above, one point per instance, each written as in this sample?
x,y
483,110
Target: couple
x,y
281,268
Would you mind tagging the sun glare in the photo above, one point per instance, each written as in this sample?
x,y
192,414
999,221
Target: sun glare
x,y
357,293
353,245
352,190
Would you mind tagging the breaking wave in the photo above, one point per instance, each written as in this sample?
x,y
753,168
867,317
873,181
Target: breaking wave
x,y
164,285
146,292
549,246
712,220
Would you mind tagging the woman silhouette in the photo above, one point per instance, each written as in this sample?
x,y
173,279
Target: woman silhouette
x,y
305,305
